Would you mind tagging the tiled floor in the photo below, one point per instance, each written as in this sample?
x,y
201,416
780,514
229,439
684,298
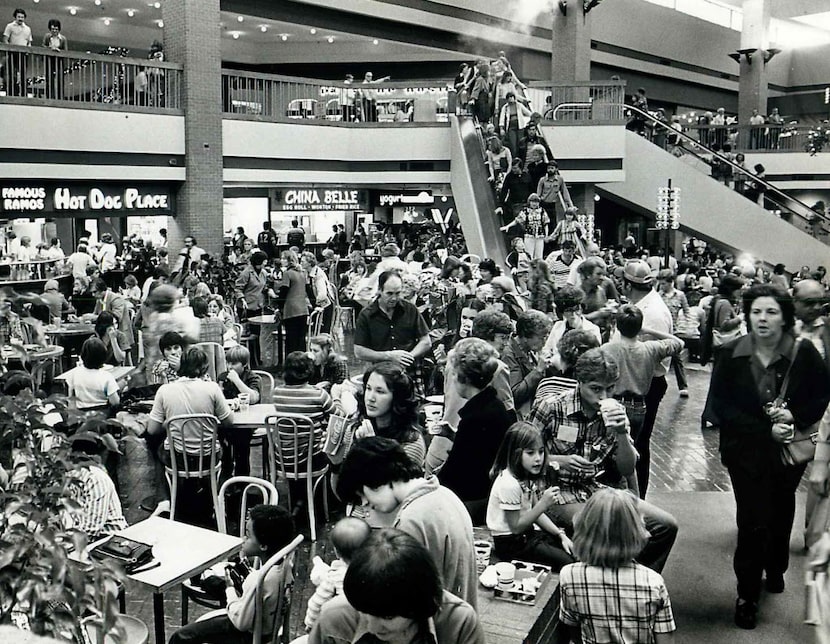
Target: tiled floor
x,y
684,458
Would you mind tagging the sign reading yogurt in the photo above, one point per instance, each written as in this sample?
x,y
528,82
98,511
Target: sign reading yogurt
x,y
306,199
54,199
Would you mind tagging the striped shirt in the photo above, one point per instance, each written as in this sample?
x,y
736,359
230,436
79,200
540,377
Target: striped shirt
x,y
306,400
628,604
559,270
100,512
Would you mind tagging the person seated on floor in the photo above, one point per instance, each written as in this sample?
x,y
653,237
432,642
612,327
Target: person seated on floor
x,y
484,421
573,428
346,537
190,394
171,345
114,340
392,593
520,497
269,528
378,473
92,387
608,535
330,367
236,441
99,510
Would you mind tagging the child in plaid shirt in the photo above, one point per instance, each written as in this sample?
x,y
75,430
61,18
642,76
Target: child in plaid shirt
x,y
346,536
607,596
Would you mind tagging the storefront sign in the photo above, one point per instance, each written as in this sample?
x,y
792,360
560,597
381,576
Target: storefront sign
x,y
406,198
53,198
306,199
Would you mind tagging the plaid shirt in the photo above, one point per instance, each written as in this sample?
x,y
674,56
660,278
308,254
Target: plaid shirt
x,y
628,604
561,418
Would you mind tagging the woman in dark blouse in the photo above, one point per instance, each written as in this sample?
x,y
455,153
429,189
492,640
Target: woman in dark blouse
x,y
747,377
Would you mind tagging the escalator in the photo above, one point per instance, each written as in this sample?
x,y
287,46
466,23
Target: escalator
x,y
716,213
473,193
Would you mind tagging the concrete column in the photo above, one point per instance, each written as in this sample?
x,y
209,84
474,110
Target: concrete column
x,y
571,42
192,38
753,84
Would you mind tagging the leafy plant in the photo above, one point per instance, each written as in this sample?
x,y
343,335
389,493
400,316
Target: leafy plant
x,y
40,584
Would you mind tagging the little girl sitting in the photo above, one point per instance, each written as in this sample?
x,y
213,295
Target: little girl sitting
x,y
607,596
518,501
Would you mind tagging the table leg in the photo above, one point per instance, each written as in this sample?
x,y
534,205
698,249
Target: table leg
x,y
158,617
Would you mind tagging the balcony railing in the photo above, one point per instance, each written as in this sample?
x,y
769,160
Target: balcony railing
x,y
761,138
89,79
594,102
271,97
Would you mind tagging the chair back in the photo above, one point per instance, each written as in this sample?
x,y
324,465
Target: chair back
x,y
253,487
266,386
282,609
315,324
291,446
192,435
216,358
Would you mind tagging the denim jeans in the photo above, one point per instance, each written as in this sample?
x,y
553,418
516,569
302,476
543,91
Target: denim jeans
x,y
661,526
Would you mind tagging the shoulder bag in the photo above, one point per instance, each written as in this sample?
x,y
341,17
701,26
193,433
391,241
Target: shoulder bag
x,y
802,448
339,437
133,555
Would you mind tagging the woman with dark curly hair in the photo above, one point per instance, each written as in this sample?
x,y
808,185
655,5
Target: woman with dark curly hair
x,y
746,394
389,408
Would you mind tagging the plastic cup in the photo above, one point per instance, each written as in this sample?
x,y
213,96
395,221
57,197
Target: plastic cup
x,y
506,573
482,550
607,407
244,402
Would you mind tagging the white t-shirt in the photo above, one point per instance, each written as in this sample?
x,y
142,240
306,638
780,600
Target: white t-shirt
x,y
508,494
20,35
91,387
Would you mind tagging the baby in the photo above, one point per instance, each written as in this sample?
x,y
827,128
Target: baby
x,y
346,536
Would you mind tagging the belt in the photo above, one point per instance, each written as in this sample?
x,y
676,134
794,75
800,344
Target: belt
x,y
631,398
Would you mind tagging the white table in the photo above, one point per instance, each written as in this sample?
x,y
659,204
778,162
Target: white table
x,y
254,417
183,551
117,372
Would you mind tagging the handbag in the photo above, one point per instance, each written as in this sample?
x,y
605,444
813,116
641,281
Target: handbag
x,y
133,555
802,448
339,438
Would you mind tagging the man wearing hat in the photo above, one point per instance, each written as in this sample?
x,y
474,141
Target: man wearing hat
x,y
535,222
638,287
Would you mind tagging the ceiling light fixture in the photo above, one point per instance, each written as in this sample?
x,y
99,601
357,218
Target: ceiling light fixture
x,y
312,31
375,41
284,37
235,35
263,28
97,3
73,11
130,12
330,39
35,1
157,5
107,21
240,18
160,23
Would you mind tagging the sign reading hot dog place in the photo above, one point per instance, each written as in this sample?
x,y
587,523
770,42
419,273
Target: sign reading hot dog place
x,y
54,198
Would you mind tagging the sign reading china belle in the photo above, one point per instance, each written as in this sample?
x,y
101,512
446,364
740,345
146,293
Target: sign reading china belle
x,y
51,198
305,199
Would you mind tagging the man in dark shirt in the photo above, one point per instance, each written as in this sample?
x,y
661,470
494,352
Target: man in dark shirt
x,y
515,190
266,241
391,328
296,235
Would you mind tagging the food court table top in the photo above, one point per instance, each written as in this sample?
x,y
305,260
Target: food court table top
x,y
254,416
69,329
117,372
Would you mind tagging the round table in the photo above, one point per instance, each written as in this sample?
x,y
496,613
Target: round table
x,y
70,329
38,356
267,344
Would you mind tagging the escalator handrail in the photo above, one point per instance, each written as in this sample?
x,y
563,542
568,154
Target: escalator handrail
x,y
769,187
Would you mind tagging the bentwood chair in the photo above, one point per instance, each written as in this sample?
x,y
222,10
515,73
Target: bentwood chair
x,y
255,491
189,461
292,452
280,631
266,396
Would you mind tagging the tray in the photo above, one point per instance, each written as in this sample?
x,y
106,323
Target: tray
x,y
520,594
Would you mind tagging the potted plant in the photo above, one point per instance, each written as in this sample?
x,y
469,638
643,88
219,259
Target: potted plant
x,y
42,586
